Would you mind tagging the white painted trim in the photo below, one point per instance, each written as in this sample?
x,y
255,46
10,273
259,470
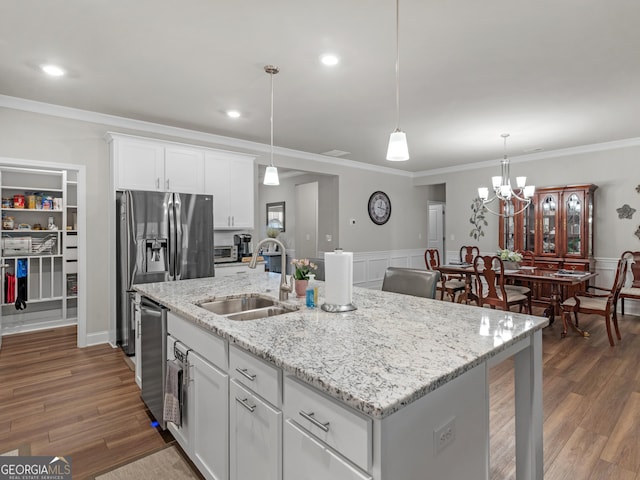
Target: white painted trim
x,y
122,122
13,327
98,338
369,267
564,152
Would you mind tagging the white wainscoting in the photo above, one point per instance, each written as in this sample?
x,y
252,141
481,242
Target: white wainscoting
x,y
369,267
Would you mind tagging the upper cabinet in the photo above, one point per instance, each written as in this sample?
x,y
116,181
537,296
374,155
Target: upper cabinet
x,y
557,226
155,165
230,178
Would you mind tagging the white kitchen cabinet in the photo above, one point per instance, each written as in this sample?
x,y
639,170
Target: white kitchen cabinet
x,y
138,164
204,434
255,436
210,407
154,165
230,178
307,458
184,169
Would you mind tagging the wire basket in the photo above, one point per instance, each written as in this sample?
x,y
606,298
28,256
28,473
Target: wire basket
x,y
44,245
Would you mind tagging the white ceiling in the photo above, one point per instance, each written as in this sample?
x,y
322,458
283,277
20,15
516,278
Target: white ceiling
x,y
554,74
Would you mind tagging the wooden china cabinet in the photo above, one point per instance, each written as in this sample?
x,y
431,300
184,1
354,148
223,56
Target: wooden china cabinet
x,y
557,227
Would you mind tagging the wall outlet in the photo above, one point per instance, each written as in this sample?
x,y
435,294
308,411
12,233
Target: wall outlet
x,y
445,435
329,237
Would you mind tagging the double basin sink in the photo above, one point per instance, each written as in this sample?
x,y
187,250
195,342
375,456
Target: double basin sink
x,y
247,307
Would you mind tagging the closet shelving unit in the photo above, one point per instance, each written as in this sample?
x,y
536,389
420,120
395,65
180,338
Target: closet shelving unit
x,y
50,254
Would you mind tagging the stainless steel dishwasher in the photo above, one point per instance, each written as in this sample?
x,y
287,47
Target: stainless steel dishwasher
x,y
153,330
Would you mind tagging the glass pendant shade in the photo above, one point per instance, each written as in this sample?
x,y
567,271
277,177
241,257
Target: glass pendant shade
x,y
271,176
483,193
521,182
398,150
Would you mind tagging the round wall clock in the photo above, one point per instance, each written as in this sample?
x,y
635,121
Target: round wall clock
x,y
379,208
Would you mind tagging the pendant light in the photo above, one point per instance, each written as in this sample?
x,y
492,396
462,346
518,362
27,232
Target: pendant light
x,y
271,174
398,151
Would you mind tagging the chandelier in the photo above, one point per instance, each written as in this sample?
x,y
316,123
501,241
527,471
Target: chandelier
x,y
503,192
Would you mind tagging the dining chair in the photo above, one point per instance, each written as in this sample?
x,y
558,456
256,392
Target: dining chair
x,y
411,281
449,284
631,291
491,288
468,253
524,287
598,304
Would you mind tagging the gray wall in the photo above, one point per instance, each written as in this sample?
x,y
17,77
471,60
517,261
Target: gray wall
x,y
615,171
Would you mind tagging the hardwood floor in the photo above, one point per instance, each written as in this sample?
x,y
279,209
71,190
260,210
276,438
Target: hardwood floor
x,y
61,400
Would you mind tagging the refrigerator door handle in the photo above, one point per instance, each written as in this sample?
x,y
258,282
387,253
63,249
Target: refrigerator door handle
x,y
178,226
131,239
171,240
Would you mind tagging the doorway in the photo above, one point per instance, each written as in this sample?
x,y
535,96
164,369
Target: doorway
x,y
435,228
306,220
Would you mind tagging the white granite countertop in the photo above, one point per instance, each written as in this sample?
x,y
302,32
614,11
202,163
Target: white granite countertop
x,y
389,352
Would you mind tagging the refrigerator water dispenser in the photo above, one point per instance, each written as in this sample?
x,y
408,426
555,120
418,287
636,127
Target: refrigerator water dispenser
x,y
155,255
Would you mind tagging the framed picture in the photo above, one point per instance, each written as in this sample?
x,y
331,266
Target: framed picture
x,y
276,215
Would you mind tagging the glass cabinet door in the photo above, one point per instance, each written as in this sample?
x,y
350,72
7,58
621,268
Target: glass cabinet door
x,y
574,208
548,224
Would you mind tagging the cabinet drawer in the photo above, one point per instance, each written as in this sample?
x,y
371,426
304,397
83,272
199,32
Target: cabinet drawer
x,y
256,374
303,454
208,345
578,267
548,265
346,430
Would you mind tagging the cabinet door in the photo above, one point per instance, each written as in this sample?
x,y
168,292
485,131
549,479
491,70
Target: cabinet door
x,y
231,182
209,389
139,165
574,226
216,169
241,178
184,170
255,436
549,227
306,458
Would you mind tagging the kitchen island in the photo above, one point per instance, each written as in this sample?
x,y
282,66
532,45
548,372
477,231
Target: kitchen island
x,y
416,369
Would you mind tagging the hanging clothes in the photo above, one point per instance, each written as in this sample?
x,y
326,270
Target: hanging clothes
x,y
22,267
9,288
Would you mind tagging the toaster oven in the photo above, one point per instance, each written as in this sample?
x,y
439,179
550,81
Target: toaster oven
x,y
225,253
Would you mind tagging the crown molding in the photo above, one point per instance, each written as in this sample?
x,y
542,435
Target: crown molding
x,y
563,152
33,106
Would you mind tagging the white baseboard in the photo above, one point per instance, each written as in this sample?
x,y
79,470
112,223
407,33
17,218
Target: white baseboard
x,y
98,338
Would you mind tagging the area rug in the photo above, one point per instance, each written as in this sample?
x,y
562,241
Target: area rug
x,y
167,464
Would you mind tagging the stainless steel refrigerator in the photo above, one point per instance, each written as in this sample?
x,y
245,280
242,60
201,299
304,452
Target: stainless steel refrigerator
x,y
160,237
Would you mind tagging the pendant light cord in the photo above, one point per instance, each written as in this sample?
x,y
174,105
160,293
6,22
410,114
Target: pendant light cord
x,y
397,64
271,74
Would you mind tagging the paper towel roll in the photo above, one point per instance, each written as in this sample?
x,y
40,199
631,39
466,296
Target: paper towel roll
x,y
338,274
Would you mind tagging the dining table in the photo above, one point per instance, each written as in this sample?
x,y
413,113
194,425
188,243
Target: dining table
x,y
558,280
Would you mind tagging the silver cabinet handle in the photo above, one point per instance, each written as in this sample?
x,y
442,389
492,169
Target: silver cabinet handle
x,y
310,416
233,220
245,404
139,327
167,184
157,183
244,373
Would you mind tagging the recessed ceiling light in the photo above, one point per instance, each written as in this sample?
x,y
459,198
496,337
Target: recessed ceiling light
x,y
233,113
329,59
53,70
